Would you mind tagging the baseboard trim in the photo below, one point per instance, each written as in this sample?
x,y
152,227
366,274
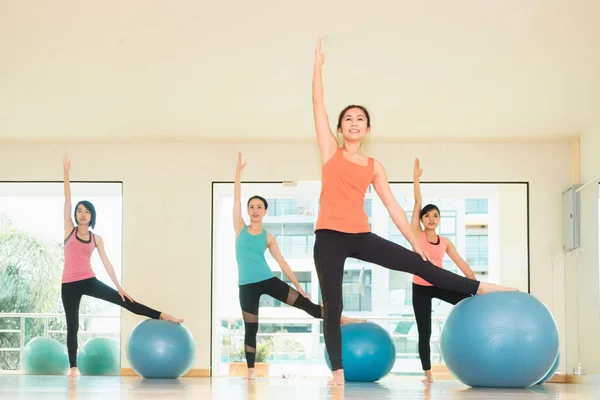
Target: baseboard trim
x,y
192,373
558,378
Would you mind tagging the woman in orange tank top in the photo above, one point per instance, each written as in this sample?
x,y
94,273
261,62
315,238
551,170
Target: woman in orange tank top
x,y
424,292
342,229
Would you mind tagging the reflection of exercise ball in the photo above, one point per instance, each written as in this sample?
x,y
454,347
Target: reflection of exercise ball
x,y
368,352
44,356
99,356
501,339
160,349
550,373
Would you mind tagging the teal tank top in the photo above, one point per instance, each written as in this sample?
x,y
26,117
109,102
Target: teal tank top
x,y
250,256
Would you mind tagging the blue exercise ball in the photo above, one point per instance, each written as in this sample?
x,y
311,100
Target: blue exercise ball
x,y
552,371
160,349
368,352
99,356
500,339
44,356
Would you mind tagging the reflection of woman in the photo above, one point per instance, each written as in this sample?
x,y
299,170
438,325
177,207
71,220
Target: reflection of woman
x,y
78,278
342,228
422,291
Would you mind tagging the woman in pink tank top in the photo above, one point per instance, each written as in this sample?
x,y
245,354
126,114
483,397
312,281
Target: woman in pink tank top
x,y
343,230
424,292
78,278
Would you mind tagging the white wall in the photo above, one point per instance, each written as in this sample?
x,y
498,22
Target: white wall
x,y
512,236
167,203
582,277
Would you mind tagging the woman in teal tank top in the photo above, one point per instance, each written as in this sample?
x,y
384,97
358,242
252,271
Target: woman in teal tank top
x,y
254,274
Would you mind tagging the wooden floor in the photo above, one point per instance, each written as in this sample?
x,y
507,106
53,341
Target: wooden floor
x,y
109,388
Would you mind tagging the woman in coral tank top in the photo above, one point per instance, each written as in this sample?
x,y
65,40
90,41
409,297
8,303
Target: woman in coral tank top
x,y
342,228
436,248
78,278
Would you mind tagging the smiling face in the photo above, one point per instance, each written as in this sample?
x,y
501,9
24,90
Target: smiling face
x,y
256,209
354,123
431,220
430,217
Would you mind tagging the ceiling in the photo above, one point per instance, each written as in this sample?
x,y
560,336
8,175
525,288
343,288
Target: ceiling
x,y
240,70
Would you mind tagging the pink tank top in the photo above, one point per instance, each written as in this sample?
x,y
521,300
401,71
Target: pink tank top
x,y
435,252
78,254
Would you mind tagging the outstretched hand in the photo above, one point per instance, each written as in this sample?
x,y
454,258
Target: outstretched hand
x,y
124,295
67,163
420,252
418,171
319,56
240,164
302,292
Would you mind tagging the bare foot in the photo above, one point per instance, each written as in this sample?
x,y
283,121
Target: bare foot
x,y
73,372
168,317
338,378
428,377
250,375
485,287
348,320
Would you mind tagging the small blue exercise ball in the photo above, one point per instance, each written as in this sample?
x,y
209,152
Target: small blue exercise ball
x,y
368,352
99,356
500,339
45,356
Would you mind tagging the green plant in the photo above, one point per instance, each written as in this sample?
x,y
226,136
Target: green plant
x,y
263,351
290,347
30,269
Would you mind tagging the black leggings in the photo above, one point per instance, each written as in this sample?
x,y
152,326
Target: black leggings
x,y
421,299
72,293
330,253
276,288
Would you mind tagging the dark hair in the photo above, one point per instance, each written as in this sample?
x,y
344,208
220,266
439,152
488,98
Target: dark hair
x,y
428,208
350,107
90,207
260,198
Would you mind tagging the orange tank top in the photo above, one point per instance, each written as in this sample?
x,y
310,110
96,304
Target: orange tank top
x,y
343,188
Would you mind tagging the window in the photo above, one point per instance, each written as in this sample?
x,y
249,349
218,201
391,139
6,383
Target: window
x,y
31,263
280,207
354,300
296,246
369,207
289,330
295,240
477,250
476,206
352,296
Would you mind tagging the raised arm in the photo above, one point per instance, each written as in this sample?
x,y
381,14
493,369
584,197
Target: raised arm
x,y
397,214
68,222
328,145
238,221
415,222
